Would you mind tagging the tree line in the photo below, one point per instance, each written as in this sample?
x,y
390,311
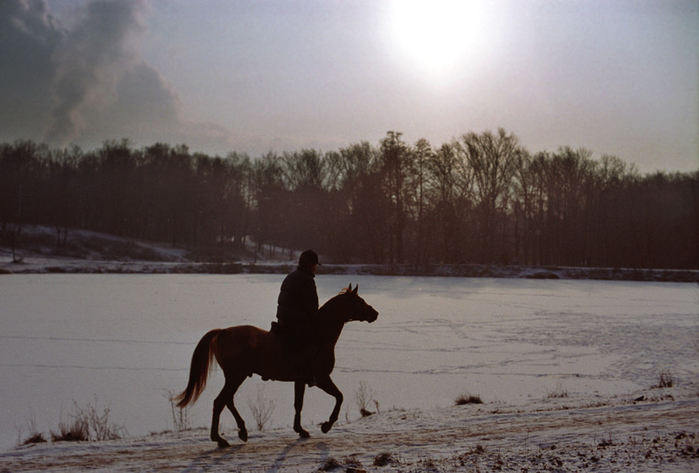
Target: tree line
x,y
482,198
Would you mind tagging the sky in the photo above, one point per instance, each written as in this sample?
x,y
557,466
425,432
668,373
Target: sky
x,y
616,77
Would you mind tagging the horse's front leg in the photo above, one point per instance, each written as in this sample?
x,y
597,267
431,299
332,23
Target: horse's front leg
x,y
327,385
299,391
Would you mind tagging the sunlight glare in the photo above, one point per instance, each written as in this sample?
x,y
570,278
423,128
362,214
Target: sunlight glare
x,y
437,35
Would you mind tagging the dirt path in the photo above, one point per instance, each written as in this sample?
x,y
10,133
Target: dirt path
x,y
630,436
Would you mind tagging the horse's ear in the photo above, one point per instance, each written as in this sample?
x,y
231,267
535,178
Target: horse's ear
x,y
349,289
356,288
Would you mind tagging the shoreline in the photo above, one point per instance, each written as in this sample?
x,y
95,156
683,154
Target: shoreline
x,y
42,265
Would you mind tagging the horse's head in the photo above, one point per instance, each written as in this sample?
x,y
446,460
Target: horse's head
x,y
358,308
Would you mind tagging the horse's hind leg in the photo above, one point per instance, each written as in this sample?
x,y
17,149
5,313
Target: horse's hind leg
x,y
242,430
225,398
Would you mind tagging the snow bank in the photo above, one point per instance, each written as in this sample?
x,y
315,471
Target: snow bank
x,y
94,253
655,432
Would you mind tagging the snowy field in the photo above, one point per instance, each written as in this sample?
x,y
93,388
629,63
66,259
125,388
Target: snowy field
x,y
125,341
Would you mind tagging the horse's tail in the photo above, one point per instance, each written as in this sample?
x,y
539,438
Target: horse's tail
x,y
199,370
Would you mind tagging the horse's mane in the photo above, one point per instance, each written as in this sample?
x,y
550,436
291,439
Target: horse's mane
x,y
333,300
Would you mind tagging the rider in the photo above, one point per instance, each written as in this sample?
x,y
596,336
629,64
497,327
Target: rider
x,y
296,306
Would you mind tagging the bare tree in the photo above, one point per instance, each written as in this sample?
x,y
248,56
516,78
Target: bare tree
x,y
492,159
395,161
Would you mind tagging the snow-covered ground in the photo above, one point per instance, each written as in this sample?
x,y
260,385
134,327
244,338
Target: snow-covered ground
x,y
125,342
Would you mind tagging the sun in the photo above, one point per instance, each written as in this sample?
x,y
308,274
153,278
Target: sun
x,y
436,36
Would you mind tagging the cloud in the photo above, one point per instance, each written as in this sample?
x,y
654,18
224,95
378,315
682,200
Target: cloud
x,y
90,62
88,83
144,93
28,38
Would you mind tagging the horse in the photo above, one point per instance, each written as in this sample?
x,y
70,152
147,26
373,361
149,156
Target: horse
x,y
244,350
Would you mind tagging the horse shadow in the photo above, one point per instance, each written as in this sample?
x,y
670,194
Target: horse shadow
x,y
279,462
218,459
213,459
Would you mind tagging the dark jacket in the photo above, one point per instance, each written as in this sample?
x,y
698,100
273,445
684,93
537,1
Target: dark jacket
x,y
298,299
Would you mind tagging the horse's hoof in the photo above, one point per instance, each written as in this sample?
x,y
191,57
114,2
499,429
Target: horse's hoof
x,y
223,443
243,434
325,427
303,434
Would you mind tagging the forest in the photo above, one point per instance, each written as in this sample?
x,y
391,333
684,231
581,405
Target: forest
x,y
482,198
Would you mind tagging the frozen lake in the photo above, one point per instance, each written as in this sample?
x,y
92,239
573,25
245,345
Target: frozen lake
x,y
125,341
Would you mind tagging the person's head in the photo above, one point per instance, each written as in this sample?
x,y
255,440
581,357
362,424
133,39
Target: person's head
x,y
309,260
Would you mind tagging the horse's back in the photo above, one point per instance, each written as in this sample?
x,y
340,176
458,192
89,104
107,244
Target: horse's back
x,y
250,349
246,337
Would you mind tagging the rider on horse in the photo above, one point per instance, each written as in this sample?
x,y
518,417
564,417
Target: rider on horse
x,y
296,305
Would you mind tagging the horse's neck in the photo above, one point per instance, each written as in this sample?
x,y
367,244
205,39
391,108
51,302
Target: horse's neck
x,y
329,326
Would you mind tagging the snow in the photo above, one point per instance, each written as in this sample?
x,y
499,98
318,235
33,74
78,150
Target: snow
x,y
125,341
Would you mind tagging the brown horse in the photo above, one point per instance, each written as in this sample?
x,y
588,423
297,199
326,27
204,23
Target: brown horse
x,y
244,350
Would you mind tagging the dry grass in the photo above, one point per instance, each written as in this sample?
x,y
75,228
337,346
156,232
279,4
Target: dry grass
x,y
557,393
75,430
261,408
34,435
180,415
466,398
364,397
348,464
87,424
666,381
385,459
